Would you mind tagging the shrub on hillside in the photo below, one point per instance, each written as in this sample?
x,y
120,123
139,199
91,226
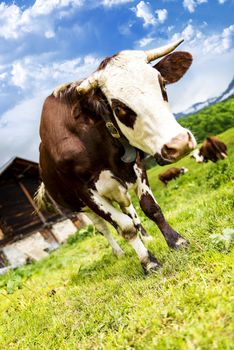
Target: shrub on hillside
x,y
211,120
219,174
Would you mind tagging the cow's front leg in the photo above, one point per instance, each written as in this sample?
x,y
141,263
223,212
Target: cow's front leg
x,y
130,211
153,210
124,225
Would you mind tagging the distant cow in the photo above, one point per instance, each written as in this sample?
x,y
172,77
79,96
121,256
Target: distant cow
x,y
171,173
93,134
212,149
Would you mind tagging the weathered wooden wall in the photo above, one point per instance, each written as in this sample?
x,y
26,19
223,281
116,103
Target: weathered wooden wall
x,y
25,232
18,214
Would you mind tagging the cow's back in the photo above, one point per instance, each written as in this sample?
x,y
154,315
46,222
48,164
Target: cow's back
x,y
169,174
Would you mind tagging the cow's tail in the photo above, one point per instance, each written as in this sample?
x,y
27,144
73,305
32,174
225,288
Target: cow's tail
x,y
41,199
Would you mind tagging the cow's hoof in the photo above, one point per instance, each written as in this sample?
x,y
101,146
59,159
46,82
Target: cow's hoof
x,y
181,243
151,268
118,252
150,264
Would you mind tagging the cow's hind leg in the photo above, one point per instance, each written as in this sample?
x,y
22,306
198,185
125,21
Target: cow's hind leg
x,y
154,212
102,227
124,225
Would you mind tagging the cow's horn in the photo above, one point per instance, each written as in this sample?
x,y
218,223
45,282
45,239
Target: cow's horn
x,y
88,84
162,51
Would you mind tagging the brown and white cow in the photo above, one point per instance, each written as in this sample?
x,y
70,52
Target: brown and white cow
x,y
212,149
94,132
171,173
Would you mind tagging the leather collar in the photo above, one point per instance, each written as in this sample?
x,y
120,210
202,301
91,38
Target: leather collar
x,y
130,152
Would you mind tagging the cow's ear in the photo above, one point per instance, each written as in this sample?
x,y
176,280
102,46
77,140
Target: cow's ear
x,y
172,67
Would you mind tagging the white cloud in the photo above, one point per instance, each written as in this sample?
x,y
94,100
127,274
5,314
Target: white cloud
x,y
126,29
19,130
222,1
29,75
143,10
3,76
162,15
9,19
39,18
16,22
144,41
110,3
49,34
219,43
19,75
45,7
19,126
208,77
227,36
190,5
212,67
190,33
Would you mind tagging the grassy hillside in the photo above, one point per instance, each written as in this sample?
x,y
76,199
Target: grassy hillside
x,y
211,120
82,297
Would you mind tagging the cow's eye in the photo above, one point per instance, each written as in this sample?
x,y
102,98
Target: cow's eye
x,y
119,111
124,113
164,83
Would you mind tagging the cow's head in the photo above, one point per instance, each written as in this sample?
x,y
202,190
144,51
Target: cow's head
x,y
197,156
136,93
183,170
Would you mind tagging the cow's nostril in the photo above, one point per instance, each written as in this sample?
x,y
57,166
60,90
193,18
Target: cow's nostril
x,y
168,149
168,152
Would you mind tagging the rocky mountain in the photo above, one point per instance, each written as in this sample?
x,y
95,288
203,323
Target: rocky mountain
x,y
229,92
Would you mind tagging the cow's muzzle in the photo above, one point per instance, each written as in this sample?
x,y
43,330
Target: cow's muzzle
x,y
160,160
177,148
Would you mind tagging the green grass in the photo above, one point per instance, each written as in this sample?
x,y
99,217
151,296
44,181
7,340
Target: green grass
x,y
82,297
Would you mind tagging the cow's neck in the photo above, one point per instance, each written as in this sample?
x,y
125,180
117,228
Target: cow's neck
x,y
130,152
97,105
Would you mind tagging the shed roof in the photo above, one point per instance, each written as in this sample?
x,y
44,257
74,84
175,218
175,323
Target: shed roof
x,y
18,166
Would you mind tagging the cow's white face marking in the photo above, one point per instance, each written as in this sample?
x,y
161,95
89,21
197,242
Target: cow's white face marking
x,y
197,157
223,155
184,170
128,78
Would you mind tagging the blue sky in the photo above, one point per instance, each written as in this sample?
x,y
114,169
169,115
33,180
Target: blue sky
x,y
44,43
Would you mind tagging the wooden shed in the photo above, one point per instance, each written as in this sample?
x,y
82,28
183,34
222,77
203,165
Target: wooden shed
x,y
19,215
